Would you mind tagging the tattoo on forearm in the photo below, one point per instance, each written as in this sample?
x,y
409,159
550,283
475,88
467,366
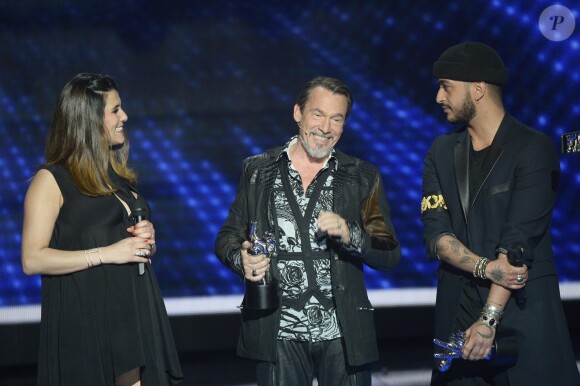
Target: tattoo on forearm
x,y
465,260
495,304
497,275
455,245
489,334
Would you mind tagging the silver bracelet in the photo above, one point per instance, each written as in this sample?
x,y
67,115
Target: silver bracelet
x,y
491,315
493,310
482,268
489,320
479,268
87,258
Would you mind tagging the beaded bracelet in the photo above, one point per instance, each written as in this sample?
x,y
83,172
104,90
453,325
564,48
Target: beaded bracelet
x,y
482,268
479,268
475,267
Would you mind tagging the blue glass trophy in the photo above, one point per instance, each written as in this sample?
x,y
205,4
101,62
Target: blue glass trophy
x,y
262,295
503,353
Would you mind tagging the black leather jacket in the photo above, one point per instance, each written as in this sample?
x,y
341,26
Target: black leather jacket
x,y
359,197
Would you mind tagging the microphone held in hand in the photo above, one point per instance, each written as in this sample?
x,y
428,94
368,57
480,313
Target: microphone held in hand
x,y
138,214
515,256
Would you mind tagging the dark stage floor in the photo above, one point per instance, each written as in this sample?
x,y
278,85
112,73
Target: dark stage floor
x,y
398,366
208,359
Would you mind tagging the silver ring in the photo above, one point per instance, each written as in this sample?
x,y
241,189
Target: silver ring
x,y
338,224
143,253
520,279
254,273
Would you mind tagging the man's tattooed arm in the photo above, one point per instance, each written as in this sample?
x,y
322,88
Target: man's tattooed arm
x,y
452,251
497,275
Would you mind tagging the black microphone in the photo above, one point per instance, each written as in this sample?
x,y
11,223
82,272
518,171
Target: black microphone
x,y
517,260
321,236
138,214
515,257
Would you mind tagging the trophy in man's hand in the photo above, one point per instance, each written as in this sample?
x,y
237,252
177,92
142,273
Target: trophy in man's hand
x,y
262,295
504,353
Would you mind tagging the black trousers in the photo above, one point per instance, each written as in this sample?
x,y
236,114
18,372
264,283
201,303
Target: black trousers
x,y
299,362
471,373
464,372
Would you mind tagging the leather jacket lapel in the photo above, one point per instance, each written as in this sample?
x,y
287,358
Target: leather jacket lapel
x,y
461,164
494,154
488,164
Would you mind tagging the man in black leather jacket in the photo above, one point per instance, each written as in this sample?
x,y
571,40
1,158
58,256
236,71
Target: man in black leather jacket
x,y
329,215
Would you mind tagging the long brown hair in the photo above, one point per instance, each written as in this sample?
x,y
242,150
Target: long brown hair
x,y
77,138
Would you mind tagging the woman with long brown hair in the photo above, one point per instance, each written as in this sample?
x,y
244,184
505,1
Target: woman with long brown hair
x,y
103,317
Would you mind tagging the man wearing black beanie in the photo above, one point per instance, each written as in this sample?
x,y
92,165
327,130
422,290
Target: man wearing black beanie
x,y
488,193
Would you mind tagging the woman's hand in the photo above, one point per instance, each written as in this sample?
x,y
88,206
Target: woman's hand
x,y
128,250
145,230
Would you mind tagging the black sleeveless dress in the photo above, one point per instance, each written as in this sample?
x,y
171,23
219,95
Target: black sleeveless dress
x,y
101,322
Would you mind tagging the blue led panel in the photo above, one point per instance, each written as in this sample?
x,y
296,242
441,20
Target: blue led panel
x,y
206,84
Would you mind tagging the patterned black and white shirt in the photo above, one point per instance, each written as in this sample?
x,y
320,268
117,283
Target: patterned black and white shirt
x,y
313,322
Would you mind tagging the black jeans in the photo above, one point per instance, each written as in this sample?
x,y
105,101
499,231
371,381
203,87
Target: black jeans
x,y
299,362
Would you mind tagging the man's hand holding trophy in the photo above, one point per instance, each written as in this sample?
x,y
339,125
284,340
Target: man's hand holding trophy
x,y
261,294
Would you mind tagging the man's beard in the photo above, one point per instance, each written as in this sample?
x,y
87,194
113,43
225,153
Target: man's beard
x,y
466,113
312,152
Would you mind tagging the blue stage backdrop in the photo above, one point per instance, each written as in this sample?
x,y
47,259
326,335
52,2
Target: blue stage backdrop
x,y
209,83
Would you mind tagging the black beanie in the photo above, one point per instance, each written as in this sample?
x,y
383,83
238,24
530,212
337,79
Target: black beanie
x,y
471,62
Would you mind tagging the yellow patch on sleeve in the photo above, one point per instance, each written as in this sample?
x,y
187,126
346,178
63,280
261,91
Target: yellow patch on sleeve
x,y
434,201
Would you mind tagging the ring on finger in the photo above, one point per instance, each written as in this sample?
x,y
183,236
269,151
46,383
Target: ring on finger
x,y
143,253
338,224
520,279
254,273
